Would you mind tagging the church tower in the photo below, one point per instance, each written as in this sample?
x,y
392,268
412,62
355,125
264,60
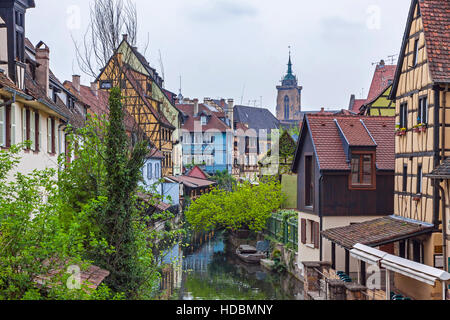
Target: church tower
x,y
289,101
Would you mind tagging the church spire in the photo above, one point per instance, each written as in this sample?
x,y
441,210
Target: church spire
x,y
289,79
290,63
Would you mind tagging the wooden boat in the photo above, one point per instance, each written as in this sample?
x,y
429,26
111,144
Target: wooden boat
x,y
249,254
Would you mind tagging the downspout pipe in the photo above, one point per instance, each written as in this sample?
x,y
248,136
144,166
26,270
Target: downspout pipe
x,y
436,131
444,229
321,216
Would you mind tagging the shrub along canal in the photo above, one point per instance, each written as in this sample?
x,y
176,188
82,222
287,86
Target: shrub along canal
x,y
212,271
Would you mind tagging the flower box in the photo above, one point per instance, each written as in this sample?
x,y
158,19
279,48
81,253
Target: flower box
x,y
400,133
417,197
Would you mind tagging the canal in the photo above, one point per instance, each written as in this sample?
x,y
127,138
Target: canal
x,y
212,271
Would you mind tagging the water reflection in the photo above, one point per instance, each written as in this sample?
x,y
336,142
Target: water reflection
x,y
213,272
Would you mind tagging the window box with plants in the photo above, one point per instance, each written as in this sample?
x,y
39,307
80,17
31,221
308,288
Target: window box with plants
x,y
400,131
421,127
417,197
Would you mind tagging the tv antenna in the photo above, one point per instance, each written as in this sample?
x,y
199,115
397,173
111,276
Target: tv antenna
x,y
242,96
161,64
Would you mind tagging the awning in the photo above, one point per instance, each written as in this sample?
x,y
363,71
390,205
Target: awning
x,y
403,266
441,172
377,232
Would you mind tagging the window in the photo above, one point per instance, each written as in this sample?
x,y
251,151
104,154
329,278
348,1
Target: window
x,y
416,52
105,84
419,179
309,181
423,111
310,233
286,108
203,121
405,178
19,46
363,171
157,171
404,115
149,171
402,249
417,248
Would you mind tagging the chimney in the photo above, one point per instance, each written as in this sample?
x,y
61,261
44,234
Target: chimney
x,y
352,102
43,70
125,37
230,112
76,81
195,107
94,88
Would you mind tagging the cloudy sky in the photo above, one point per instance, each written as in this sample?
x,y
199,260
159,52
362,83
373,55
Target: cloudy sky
x,y
239,48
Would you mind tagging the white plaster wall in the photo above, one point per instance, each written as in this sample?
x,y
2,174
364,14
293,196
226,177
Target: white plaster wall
x,y
306,252
3,46
32,160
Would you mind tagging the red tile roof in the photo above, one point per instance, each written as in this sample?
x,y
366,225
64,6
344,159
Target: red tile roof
x,y
192,182
328,141
213,123
197,172
357,105
382,78
355,132
436,25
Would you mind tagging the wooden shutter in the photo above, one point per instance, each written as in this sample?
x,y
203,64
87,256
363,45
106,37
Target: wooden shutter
x,y
33,130
37,132
316,235
24,125
49,135
303,231
2,126
13,124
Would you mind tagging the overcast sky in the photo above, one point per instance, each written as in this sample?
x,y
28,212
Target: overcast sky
x,y
220,46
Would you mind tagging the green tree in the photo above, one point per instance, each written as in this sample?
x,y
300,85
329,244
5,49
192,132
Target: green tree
x,y
247,206
35,239
224,180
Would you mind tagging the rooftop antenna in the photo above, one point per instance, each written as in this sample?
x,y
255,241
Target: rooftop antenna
x,y
162,67
392,58
242,96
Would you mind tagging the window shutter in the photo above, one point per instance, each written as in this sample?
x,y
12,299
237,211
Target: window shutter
x,y
24,125
2,126
13,124
57,148
39,132
303,231
33,130
316,235
49,135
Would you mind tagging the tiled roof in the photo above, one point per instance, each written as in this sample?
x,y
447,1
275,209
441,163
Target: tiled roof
x,y
382,78
442,171
197,172
256,118
35,90
436,25
354,131
154,153
357,105
130,74
376,232
328,141
155,202
213,123
192,182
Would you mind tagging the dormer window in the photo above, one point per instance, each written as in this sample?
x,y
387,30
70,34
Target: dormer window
x,y
363,170
204,120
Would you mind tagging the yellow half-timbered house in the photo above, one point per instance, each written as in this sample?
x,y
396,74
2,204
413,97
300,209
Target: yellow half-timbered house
x,y
146,102
421,94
